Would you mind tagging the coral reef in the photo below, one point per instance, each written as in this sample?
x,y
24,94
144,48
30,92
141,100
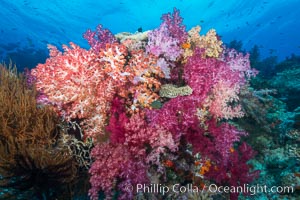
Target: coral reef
x,y
163,106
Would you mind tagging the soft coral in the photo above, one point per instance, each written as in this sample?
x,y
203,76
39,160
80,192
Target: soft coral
x,y
235,172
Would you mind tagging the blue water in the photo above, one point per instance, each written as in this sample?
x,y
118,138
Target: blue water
x,y
27,26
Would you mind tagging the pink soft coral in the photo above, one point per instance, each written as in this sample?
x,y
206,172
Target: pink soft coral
x,y
145,142
239,65
217,82
106,168
64,79
201,74
216,142
137,134
177,115
224,97
225,135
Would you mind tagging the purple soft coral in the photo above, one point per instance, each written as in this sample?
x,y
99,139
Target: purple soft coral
x,y
98,39
239,65
176,28
161,43
167,39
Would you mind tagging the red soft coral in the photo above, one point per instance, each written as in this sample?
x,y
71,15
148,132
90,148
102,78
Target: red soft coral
x,y
144,80
117,121
235,172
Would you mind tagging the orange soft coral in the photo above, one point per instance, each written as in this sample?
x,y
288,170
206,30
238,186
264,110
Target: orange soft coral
x,y
112,60
144,78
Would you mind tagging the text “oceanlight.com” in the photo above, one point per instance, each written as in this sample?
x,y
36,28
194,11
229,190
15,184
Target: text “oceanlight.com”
x,y
212,188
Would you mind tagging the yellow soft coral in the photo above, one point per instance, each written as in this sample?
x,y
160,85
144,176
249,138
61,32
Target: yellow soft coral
x,y
210,42
194,36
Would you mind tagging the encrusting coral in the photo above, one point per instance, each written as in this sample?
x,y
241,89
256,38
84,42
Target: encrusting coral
x,y
171,91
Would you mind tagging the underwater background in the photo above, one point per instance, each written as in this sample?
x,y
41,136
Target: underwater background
x,y
126,99
28,26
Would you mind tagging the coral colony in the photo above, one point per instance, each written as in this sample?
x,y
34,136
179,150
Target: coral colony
x,y
156,105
